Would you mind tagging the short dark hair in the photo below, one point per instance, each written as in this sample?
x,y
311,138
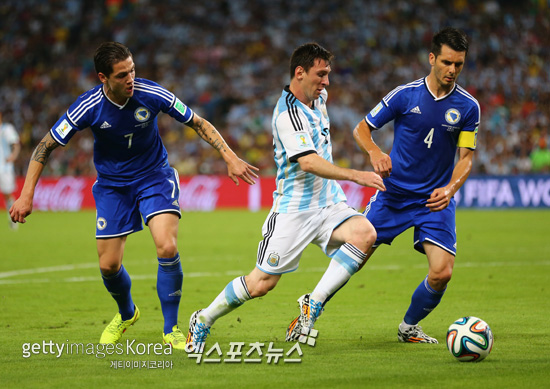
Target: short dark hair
x,y
452,37
108,54
305,56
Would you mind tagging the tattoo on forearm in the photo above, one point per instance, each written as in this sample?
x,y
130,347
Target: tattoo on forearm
x,y
43,151
199,128
218,145
202,127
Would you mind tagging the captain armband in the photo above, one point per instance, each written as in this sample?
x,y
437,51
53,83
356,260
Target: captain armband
x,y
468,139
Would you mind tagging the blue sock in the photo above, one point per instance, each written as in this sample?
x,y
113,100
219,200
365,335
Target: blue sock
x,y
119,286
423,301
169,281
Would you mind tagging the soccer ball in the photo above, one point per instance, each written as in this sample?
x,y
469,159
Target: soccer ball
x,y
469,339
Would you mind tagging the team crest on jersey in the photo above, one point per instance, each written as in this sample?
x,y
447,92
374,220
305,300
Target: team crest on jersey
x,y
452,116
273,259
142,114
376,109
101,223
302,141
63,129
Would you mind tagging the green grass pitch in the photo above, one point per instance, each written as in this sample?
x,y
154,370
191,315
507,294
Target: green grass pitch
x,y
50,290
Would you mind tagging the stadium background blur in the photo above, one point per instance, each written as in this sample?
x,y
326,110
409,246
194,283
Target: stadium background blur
x,y
228,61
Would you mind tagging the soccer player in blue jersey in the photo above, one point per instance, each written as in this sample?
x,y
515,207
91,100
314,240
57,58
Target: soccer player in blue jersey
x,y
134,179
309,206
432,116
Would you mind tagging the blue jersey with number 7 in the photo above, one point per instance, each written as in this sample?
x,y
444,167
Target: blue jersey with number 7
x,y
127,143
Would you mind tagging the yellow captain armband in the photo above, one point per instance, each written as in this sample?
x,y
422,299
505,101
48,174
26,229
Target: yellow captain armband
x,y
468,139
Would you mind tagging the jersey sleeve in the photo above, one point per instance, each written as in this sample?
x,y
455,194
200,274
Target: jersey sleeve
x,y
385,111
181,112
292,128
166,100
468,135
77,118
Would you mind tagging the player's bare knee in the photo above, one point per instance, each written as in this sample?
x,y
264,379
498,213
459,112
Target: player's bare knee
x,y
439,280
446,276
370,236
258,291
167,250
363,235
260,288
108,269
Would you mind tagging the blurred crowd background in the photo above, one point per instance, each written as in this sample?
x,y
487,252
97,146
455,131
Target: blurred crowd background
x,y
228,61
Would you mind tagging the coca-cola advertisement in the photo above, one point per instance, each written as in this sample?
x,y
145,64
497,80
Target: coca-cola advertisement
x,y
207,193
197,193
62,194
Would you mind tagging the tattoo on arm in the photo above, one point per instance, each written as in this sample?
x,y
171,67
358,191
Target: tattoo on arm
x,y
43,150
201,127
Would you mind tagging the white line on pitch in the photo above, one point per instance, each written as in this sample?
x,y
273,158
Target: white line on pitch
x,y
52,269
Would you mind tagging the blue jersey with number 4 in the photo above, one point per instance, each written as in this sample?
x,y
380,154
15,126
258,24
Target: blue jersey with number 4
x,y
127,141
427,132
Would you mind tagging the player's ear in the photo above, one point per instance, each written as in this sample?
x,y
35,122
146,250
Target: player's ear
x,y
299,73
432,59
102,77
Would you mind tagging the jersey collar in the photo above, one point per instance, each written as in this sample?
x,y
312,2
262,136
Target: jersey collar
x,y
111,101
438,98
287,90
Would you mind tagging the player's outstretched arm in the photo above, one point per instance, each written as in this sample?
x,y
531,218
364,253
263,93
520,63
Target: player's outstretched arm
x,y
314,164
441,197
22,207
236,167
381,162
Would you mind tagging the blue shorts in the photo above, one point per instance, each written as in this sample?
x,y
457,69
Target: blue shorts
x,y
120,209
392,214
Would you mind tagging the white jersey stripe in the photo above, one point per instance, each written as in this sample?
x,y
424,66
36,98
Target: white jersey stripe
x,y
153,87
83,111
413,84
469,96
85,102
77,113
148,88
155,93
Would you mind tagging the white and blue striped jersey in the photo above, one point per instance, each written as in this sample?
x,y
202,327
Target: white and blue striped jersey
x,y
427,132
8,137
127,141
299,130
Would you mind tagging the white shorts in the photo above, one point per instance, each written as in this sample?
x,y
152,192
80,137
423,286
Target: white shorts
x,y
7,182
286,235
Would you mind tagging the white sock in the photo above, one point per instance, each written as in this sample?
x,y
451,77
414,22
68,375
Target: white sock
x,y
232,296
343,265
